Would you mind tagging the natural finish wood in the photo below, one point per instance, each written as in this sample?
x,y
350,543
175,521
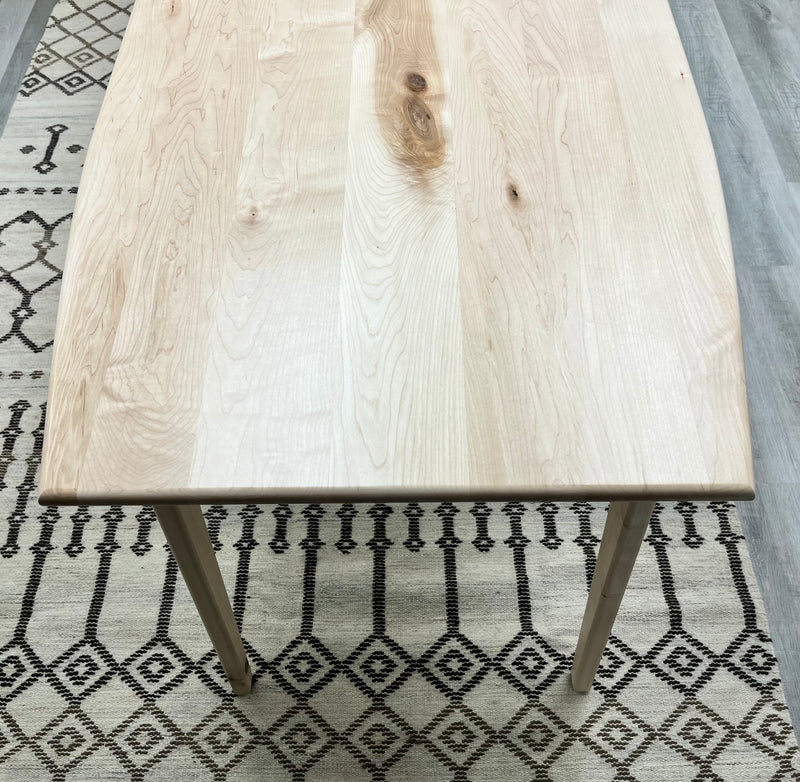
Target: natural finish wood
x,y
622,537
187,535
428,248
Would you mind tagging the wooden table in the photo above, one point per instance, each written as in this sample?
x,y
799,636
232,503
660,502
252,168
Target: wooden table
x,y
450,249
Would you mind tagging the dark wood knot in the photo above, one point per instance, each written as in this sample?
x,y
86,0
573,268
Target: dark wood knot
x,y
416,82
419,117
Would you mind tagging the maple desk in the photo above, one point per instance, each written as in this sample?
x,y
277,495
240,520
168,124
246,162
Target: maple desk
x,y
407,249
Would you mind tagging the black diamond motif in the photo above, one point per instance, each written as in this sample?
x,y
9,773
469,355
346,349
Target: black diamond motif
x,y
458,736
530,662
537,735
144,738
618,667
617,734
22,313
682,661
44,166
694,730
67,740
11,736
300,738
749,657
697,732
33,82
769,723
224,737
378,665
11,669
379,737
19,668
74,82
454,664
82,669
158,667
615,731
83,57
305,666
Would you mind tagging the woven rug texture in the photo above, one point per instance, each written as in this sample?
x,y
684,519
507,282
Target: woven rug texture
x,y
389,641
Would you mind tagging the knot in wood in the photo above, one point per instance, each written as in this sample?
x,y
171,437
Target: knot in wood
x,y
416,82
419,117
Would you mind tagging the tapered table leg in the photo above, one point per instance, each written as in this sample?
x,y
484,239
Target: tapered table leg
x,y
186,532
622,537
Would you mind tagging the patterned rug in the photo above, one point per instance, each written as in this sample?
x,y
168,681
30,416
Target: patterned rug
x,y
403,642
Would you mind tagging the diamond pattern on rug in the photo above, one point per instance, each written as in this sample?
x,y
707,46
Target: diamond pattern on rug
x,y
531,663
143,739
224,737
78,48
304,667
81,670
454,664
538,735
66,741
378,666
378,738
458,736
300,738
155,669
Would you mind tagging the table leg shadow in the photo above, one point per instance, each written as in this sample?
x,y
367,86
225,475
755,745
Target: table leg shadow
x,y
186,532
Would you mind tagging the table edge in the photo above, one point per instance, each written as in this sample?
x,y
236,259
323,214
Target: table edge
x,y
283,495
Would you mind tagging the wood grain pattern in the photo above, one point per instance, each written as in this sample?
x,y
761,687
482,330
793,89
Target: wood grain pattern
x,y
399,248
623,533
401,386
774,83
764,223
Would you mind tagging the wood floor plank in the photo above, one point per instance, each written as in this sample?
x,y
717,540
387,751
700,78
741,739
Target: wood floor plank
x,y
765,226
770,302
13,18
769,53
794,189
761,213
22,23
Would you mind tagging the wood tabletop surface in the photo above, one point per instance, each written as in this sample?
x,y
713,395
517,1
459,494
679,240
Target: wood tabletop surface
x,y
391,249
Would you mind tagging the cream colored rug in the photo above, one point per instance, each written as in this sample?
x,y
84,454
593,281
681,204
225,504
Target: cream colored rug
x,y
389,642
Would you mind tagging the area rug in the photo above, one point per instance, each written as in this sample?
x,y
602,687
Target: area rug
x,y
389,642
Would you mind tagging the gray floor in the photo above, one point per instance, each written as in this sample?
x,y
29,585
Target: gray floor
x,y
745,58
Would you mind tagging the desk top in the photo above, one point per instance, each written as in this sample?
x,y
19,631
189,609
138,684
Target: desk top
x,y
398,249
